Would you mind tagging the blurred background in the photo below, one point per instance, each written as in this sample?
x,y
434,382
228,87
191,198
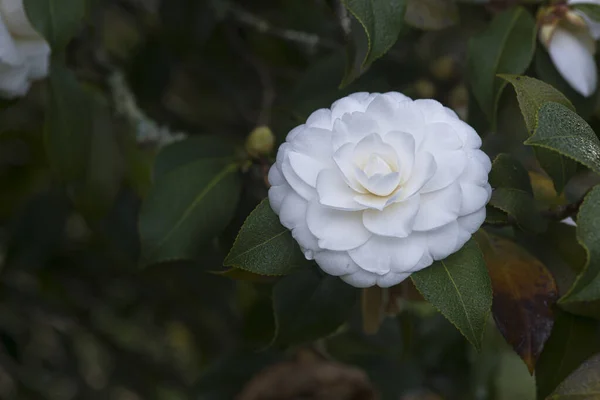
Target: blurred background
x,y
79,319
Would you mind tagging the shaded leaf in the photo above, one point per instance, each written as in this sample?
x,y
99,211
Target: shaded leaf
x,y
309,305
573,340
524,292
507,172
431,14
382,21
264,246
459,286
587,284
583,383
495,216
562,130
520,206
186,208
56,20
506,47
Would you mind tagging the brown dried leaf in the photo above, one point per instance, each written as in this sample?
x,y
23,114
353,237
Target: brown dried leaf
x,y
310,379
524,292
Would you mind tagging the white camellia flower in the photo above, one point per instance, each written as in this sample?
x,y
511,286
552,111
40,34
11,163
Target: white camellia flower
x,y
379,186
570,39
24,54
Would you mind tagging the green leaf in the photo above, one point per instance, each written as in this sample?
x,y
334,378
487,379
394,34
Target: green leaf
x,y
186,208
506,47
495,216
56,20
513,193
520,206
563,131
532,94
67,126
573,340
191,149
507,172
309,305
584,383
587,284
590,10
264,246
459,286
431,14
382,21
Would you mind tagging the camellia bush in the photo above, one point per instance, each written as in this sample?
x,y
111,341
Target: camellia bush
x,y
299,199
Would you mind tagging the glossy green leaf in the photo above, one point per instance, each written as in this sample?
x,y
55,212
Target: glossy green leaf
x,y
186,208
218,148
573,340
495,216
583,383
563,131
382,21
431,14
264,246
508,172
532,94
506,47
310,304
589,9
67,126
520,206
459,286
56,20
587,285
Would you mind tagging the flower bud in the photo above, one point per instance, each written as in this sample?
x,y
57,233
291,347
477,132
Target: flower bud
x,y
260,142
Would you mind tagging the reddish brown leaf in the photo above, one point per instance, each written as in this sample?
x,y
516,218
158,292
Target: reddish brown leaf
x,y
524,292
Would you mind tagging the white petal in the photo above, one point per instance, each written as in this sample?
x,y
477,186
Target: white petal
x,y
474,197
483,159
398,97
574,61
276,196
336,230
313,142
275,176
592,25
36,55
352,128
380,185
438,208
307,241
466,133
373,144
440,135
424,169
293,211
443,241
381,255
450,165
343,159
320,119
336,263
409,118
425,261
14,81
291,136
295,182
306,167
475,172
404,145
334,191
434,111
8,51
346,105
383,108
369,200
391,279
569,221
472,222
395,220
13,13
360,279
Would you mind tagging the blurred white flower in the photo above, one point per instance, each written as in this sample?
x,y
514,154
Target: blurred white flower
x,y
379,186
569,221
24,54
569,36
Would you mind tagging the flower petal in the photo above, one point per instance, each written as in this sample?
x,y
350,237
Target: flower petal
x,y
379,185
293,210
444,240
391,279
276,196
360,279
381,254
306,167
343,160
275,176
13,13
336,263
438,208
296,183
315,143
440,135
474,197
395,220
352,128
13,81
423,170
336,230
320,119
404,145
36,55
572,58
450,165
472,222
334,191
